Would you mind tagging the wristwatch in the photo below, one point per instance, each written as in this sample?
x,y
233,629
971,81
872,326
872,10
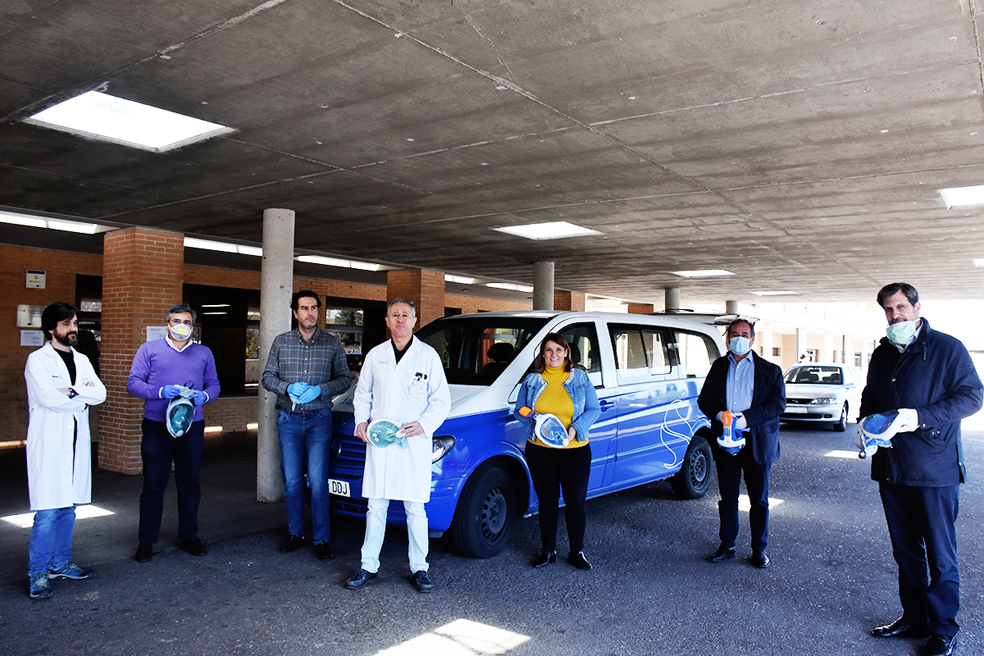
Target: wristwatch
x,y
72,393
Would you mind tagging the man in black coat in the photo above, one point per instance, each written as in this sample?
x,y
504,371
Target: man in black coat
x,y
929,378
751,388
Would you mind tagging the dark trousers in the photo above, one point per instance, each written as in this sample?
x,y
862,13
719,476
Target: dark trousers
x,y
158,450
730,469
922,524
553,470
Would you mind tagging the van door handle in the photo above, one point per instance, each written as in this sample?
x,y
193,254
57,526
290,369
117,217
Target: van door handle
x,y
605,405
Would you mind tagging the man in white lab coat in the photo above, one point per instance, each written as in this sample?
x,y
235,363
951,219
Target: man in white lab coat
x,y
403,381
61,385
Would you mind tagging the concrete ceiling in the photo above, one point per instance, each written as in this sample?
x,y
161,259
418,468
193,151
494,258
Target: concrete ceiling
x,y
799,144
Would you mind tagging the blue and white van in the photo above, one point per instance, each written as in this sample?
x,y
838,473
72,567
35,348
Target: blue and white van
x,y
647,370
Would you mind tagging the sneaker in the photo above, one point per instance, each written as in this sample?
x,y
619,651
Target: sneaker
x,y
70,571
40,588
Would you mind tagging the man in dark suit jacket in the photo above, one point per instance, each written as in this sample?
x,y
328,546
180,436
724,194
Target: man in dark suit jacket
x,y
752,389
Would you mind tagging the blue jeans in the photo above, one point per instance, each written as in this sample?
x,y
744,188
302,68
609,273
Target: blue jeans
x,y
51,539
306,434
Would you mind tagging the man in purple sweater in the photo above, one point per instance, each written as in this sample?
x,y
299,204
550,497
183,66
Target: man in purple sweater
x,y
160,368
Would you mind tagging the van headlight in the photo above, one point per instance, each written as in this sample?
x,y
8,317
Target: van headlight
x,y
440,446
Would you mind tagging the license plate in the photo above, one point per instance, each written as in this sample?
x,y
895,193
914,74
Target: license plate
x,y
339,488
796,410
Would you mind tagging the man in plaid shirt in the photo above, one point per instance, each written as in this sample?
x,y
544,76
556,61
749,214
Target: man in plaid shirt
x,y
305,369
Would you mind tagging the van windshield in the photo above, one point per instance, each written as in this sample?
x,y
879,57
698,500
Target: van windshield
x,y
475,349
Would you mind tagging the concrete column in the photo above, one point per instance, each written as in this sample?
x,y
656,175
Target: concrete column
x,y
143,276
731,307
671,299
543,285
569,301
828,348
763,338
800,343
276,288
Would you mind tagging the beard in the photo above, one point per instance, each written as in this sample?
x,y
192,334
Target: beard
x,y
69,339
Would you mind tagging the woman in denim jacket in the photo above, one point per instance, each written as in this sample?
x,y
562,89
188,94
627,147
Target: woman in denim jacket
x,y
557,388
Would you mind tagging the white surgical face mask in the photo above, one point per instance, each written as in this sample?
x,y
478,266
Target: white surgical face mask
x,y
739,345
901,333
180,332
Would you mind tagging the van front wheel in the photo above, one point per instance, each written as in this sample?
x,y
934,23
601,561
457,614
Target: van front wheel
x,y
485,513
694,477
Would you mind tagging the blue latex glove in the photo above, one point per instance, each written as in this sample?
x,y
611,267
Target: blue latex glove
x,y
170,391
198,397
296,389
310,394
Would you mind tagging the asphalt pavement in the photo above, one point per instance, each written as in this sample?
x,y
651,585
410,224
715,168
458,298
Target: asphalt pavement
x,y
651,592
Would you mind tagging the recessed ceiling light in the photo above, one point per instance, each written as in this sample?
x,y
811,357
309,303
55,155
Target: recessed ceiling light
x,y
510,286
54,224
707,273
126,122
209,245
979,262
777,293
551,230
963,196
338,262
464,280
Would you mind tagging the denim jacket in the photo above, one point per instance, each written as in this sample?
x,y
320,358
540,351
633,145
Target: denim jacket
x,y
582,393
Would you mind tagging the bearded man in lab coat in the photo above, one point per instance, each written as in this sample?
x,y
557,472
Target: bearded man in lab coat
x,y
403,381
61,385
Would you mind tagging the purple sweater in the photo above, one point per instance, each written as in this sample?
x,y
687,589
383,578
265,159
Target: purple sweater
x,y
156,364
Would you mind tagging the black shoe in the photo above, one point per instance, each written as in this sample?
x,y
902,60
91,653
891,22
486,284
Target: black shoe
x,y
722,554
360,579
544,559
292,543
900,628
940,645
194,547
422,581
145,551
760,559
323,552
578,560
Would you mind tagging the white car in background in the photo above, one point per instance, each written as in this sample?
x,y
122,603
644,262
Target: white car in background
x,y
825,393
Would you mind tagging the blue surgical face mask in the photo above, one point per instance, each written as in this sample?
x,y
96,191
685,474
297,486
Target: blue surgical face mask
x,y
739,345
901,333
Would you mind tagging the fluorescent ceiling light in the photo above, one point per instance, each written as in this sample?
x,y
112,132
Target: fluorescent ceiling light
x,y
125,122
221,246
216,305
510,286
459,279
337,262
53,224
707,273
776,293
552,230
963,196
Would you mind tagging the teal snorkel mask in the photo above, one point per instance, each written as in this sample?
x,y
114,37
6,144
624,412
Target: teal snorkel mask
x,y
180,412
384,432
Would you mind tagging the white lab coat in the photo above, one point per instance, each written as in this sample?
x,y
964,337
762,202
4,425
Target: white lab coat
x,y
54,480
413,390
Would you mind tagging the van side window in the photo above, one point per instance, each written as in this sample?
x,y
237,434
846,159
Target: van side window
x,y
640,353
583,339
696,352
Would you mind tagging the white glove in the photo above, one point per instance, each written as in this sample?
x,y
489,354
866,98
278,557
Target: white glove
x,y
908,420
740,422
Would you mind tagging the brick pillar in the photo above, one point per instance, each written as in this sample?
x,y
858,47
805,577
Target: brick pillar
x,y
424,288
569,301
143,275
641,308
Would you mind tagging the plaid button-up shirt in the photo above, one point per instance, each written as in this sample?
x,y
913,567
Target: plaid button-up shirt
x,y
320,361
